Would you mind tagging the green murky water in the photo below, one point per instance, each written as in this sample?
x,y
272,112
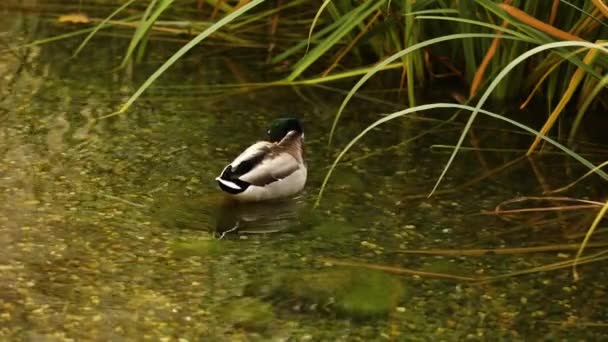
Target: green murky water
x,y
110,230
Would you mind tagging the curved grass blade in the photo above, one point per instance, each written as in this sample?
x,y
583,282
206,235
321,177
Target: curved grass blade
x,y
575,80
100,25
144,27
583,108
476,23
47,40
400,54
314,22
590,232
337,76
433,11
182,51
246,23
596,257
410,39
588,14
495,82
139,32
566,187
421,108
600,5
354,18
468,47
545,76
353,43
301,45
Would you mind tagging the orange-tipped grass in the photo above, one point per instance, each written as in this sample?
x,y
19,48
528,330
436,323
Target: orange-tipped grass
x,y
572,87
553,14
601,6
481,70
537,24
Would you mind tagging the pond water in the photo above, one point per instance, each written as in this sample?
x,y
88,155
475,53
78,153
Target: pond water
x,y
115,229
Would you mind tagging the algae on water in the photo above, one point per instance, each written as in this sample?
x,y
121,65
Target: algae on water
x,y
353,292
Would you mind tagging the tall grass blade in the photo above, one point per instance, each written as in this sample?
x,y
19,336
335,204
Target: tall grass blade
x,y
495,27
47,40
100,25
139,32
468,47
542,78
408,40
314,22
354,18
589,173
584,106
262,15
301,45
144,27
596,222
600,5
587,13
567,95
596,257
337,76
183,51
398,55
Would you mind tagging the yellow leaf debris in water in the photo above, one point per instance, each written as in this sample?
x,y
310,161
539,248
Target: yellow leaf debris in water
x,y
74,18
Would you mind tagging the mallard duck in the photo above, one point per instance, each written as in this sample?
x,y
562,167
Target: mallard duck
x,y
270,169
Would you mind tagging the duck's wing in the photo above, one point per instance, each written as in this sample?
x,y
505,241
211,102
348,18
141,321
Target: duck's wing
x,y
271,168
252,155
229,180
250,158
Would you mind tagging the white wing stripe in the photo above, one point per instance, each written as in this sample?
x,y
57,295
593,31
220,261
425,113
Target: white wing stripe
x,y
228,183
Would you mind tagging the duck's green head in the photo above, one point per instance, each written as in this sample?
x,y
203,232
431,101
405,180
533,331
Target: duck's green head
x,y
280,127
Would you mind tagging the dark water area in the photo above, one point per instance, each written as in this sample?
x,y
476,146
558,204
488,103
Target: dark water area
x,y
115,229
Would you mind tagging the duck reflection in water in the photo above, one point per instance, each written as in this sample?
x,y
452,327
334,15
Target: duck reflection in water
x,y
235,217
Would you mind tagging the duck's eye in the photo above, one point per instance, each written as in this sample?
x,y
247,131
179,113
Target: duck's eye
x,y
268,132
